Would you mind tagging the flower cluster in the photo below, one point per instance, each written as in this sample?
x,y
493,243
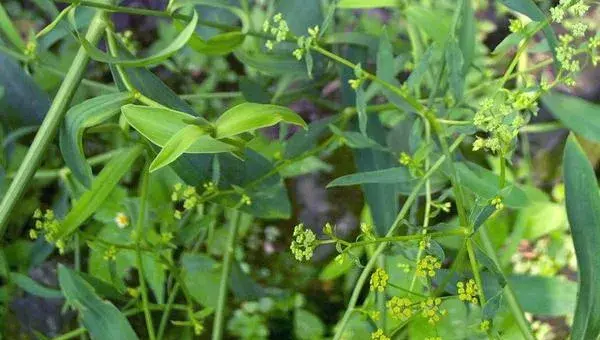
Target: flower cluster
x,y
278,28
497,202
367,230
379,280
47,224
304,43
425,243
188,195
400,308
431,310
427,266
578,8
110,254
246,200
516,25
467,291
360,77
379,335
501,119
484,325
304,243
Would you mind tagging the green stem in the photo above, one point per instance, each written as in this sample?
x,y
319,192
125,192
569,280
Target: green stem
x,y
369,266
50,124
475,270
227,260
165,317
140,263
72,334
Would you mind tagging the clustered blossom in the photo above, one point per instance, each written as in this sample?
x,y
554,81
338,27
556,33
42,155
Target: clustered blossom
x,y
516,25
468,291
304,243
110,254
497,202
188,195
431,310
427,266
304,43
400,308
47,224
278,28
379,335
484,326
379,280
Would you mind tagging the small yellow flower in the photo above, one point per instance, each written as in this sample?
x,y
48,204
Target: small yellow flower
x,y
121,220
427,266
133,292
355,83
379,335
245,200
431,310
468,291
497,202
379,280
405,159
110,254
400,308
516,25
484,326
33,234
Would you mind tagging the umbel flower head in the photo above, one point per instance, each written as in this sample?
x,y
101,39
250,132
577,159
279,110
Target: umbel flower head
x,y
467,291
379,335
304,243
428,265
47,224
400,308
379,280
431,310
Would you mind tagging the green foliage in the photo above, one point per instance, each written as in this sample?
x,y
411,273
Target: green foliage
x,y
246,168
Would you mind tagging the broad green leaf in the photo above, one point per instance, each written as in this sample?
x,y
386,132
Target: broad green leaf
x,y
33,287
583,211
251,116
191,138
101,188
202,276
546,296
435,23
579,115
156,124
101,318
272,64
179,42
368,3
9,31
530,9
23,102
307,326
84,115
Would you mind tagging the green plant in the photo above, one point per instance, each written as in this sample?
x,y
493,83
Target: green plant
x,y
164,240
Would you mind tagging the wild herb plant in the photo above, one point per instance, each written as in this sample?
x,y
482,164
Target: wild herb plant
x,y
157,229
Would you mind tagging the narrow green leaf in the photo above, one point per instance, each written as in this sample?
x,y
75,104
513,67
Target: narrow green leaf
x,y
361,109
101,188
579,115
33,287
272,64
101,318
179,42
251,116
387,72
156,124
454,62
467,35
9,31
355,4
583,212
192,139
84,115
433,22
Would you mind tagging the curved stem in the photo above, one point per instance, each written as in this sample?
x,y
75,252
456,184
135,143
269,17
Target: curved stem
x,y
369,266
227,260
50,124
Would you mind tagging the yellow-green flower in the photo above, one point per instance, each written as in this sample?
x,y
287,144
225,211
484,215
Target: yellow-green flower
x,y
484,326
431,310
428,265
400,308
468,291
379,335
379,280
304,243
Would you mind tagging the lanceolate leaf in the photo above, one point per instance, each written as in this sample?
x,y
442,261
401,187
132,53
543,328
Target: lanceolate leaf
x,y
101,188
191,138
583,211
467,35
178,43
579,115
272,64
156,124
32,287
100,317
87,114
251,116
217,45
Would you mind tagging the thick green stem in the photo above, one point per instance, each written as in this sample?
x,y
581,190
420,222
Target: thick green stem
x,y
50,125
369,266
227,260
